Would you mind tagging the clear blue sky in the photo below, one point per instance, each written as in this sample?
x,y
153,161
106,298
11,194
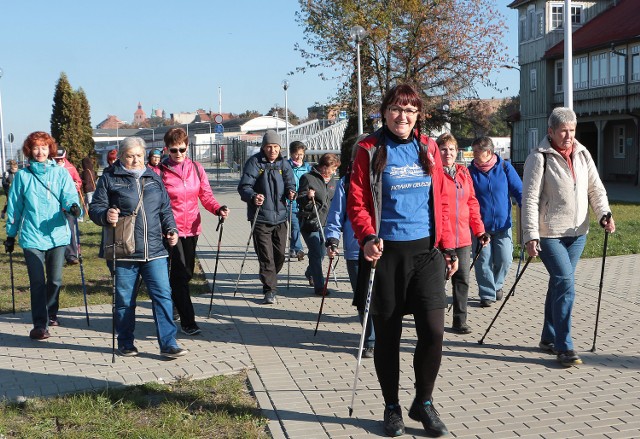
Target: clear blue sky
x,y
168,55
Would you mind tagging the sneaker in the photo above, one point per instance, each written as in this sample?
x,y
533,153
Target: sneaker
x,y
190,330
176,314
300,255
462,329
393,423
548,347
293,254
430,418
569,358
128,352
73,261
486,303
367,353
310,279
53,321
499,294
269,298
174,352
39,334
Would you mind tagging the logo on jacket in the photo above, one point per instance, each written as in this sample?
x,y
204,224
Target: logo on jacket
x,y
407,171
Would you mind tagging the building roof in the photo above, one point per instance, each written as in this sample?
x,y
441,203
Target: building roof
x,y
617,24
516,3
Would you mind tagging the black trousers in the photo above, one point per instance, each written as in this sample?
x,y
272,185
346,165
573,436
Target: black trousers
x,y
460,283
183,258
269,243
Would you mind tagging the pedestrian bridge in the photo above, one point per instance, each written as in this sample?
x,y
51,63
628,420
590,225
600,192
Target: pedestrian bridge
x,y
319,136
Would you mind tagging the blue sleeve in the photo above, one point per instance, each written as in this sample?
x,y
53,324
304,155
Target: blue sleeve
x,y
15,205
515,183
289,178
333,228
100,202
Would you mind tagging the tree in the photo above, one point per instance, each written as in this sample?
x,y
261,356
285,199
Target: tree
x,y
445,48
276,109
71,122
249,114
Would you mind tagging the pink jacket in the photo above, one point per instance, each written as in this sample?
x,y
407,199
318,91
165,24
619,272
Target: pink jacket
x,y
185,186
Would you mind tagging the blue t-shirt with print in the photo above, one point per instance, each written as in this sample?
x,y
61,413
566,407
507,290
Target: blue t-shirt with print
x,y
405,195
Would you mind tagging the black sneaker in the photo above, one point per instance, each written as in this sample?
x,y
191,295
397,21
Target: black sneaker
x,y
430,418
569,358
128,352
548,347
367,353
393,423
174,352
190,330
269,298
462,329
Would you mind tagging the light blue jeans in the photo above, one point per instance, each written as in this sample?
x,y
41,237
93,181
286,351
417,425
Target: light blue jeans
x,y
493,263
560,257
296,240
45,290
156,278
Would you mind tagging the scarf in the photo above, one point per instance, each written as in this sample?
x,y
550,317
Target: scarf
x,y
137,173
451,171
486,166
566,155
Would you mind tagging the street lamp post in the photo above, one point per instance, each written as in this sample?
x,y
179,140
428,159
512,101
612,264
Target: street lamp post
x,y
357,34
285,86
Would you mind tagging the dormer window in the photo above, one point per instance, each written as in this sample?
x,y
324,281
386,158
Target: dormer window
x,y
557,15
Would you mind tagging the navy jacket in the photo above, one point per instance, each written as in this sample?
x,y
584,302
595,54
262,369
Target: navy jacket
x,y
274,181
118,188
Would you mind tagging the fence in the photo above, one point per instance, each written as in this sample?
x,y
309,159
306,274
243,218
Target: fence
x,y
226,159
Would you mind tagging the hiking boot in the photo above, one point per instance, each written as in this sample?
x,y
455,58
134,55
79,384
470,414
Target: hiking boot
x,y
174,352
393,423
569,358
462,329
39,334
486,303
367,352
499,294
427,414
128,352
269,298
190,330
548,347
53,321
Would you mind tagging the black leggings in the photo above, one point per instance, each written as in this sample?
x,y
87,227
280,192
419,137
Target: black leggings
x,y
426,358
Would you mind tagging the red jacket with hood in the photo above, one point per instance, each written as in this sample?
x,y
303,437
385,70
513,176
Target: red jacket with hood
x,y
464,210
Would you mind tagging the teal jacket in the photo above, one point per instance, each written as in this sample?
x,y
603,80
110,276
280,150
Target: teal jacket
x,y
33,211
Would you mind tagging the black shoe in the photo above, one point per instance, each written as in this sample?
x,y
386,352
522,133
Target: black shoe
x,y
499,294
39,334
190,330
548,347
393,423
128,352
367,353
569,358
53,321
486,303
462,329
269,298
73,261
176,314
174,352
300,255
310,279
429,416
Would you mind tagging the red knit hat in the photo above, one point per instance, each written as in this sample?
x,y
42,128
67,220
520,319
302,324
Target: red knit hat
x,y
112,155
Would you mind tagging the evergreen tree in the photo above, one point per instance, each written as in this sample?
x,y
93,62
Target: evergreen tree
x,y
62,99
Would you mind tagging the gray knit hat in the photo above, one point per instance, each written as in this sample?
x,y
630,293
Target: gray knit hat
x,y
271,137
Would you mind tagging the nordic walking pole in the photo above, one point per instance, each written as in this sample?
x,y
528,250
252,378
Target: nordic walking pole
x,y
506,299
324,239
365,321
84,285
475,258
215,271
253,226
289,252
324,294
604,258
113,300
13,292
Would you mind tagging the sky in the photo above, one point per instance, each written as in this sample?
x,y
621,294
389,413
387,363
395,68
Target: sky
x,y
164,54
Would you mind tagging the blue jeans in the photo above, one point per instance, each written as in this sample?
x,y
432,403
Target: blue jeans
x,y
560,257
316,256
369,333
493,263
44,291
156,278
296,241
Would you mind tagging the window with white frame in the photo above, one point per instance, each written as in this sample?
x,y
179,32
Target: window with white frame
x,y
540,21
619,142
635,63
533,80
616,67
556,13
599,69
559,76
580,72
532,139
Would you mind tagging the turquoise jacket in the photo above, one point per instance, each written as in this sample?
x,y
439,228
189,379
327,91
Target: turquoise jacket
x,y
33,211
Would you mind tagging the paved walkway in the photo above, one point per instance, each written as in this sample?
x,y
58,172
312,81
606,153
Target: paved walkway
x,y
504,388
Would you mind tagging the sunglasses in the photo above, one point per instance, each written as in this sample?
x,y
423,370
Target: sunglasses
x,y
175,150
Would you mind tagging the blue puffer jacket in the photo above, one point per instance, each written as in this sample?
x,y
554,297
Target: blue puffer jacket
x,y
493,189
338,223
33,210
298,171
274,181
118,188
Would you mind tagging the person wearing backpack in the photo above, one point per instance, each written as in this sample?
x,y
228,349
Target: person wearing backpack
x,y
41,195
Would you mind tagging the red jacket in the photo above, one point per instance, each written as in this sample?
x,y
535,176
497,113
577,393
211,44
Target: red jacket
x,y
185,186
464,210
364,213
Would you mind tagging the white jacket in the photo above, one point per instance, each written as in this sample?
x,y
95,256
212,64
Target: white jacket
x,y
553,204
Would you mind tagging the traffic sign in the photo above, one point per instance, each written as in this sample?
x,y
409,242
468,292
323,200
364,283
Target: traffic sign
x,y
10,137
219,129
217,118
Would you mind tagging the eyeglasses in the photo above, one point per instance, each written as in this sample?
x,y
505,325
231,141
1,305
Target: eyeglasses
x,y
175,150
397,111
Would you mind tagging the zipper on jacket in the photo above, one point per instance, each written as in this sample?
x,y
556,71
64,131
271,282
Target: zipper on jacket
x,y
144,221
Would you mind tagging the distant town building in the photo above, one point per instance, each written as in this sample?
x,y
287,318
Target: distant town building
x,y
139,116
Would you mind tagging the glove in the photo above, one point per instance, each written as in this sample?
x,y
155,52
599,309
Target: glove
x,y
9,243
75,210
221,209
332,242
483,238
605,219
